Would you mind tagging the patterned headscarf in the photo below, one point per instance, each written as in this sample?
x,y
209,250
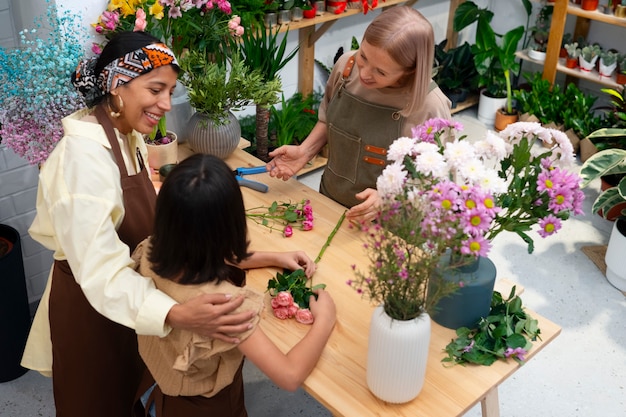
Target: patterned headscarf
x,y
120,71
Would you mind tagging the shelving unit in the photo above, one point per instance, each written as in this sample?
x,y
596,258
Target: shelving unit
x,y
309,33
554,64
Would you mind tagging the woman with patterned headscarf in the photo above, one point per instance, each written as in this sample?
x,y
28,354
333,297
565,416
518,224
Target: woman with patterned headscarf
x,y
95,203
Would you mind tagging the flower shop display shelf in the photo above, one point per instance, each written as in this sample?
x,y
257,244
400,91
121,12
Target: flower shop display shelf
x,y
339,379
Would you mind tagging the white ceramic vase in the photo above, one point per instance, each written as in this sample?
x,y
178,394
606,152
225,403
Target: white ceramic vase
x,y
397,356
614,258
487,108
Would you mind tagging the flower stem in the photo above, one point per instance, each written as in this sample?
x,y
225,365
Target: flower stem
x,y
330,237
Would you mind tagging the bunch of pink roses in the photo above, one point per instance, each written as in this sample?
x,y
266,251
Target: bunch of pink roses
x,y
284,308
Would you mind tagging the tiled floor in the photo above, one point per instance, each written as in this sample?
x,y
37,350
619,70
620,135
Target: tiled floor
x,y
582,373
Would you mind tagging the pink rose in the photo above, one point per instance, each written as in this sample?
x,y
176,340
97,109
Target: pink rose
x,y
282,313
292,310
307,225
284,299
288,232
304,316
140,21
274,303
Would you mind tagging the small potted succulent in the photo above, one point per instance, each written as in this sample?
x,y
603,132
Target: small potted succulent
x,y
573,52
588,56
608,63
162,146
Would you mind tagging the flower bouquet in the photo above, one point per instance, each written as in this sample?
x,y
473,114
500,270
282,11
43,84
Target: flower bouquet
x,y
444,194
35,92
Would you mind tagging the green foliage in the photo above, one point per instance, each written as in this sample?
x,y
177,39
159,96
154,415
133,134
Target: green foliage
x,y
296,283
542,99
507,328
295,118
455,69
609,162
572,108
617,117
214,88
494,54
261,51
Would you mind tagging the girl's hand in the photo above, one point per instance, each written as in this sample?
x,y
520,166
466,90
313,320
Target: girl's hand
x,y
297,260
288,160
323,309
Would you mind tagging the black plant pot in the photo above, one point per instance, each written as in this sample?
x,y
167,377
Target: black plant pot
x,y
14,312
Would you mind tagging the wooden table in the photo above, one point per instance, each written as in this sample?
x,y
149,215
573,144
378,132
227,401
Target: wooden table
x,y
339,379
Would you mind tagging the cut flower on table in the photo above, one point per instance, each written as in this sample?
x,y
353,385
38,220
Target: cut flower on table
x,y
284,216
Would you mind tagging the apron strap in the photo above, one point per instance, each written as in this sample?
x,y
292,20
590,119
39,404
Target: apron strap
x,y
106,124
348,68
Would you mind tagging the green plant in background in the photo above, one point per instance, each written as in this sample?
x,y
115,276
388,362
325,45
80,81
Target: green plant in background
x,y
507,332
455,69
589,52
621,63
608,57
262,51
579,113
573,51
541,29
616,114
494,54
609,162
542,99
295,118
214,88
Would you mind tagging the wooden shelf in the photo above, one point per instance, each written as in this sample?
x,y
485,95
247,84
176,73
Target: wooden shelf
x,y
554,64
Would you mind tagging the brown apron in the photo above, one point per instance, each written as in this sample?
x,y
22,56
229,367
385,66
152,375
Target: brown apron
x,y
228,402
96,366
359,133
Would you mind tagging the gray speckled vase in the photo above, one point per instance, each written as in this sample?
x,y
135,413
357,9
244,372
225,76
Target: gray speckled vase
x,y
204,136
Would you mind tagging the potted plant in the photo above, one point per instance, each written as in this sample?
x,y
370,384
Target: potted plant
x,y
162,145
541,99
573,52
456,73
494,57
608,63
609,166
540,32
588,56
215,90
620,77
261,51
293,120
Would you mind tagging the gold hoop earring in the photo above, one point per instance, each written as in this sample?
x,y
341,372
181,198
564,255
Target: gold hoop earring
x,y
118,113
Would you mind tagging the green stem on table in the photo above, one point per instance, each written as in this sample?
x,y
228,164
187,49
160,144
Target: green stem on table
x,y
330,237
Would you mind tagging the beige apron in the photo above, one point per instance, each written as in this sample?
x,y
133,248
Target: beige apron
x,y
359,133
96,366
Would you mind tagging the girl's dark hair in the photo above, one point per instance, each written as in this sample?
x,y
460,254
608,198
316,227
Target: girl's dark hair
x,y
200,222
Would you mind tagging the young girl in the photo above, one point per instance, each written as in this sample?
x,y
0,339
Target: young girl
x,y
200,234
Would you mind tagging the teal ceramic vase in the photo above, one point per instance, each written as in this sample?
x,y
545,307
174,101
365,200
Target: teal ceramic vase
x,y
472,300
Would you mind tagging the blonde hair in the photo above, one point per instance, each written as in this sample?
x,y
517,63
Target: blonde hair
x,y
408,37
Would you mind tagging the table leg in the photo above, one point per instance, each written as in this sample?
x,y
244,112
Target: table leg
x,y
490,405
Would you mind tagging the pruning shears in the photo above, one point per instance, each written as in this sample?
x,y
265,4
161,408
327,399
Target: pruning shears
x,y
258,186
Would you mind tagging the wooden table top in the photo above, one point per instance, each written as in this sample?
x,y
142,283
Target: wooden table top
x,y
339,379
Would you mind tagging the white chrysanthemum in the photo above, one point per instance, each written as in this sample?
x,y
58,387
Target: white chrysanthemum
x,y
471,170
392,179
565,150
399,148
492,147
458,152
492,183
424,147
432,163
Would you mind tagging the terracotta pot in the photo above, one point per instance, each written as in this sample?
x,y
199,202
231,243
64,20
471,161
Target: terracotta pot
x,y
503,120
563,53
616,211
589,5
571,62
620,78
